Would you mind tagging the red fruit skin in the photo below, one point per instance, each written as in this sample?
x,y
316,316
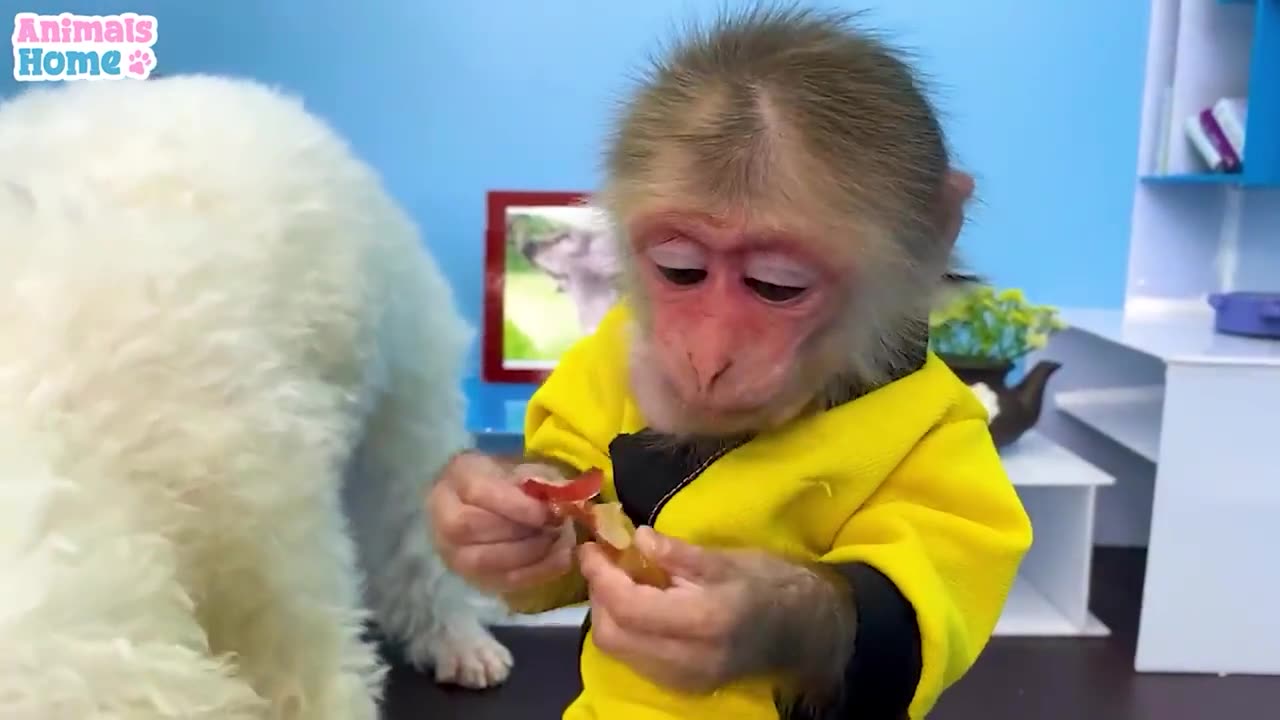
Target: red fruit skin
x,y
573,500
584,487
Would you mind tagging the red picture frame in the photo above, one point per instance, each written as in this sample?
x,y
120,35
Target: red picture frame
x,y
495,367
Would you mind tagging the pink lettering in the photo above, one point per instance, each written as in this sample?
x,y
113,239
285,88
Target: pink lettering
x,y
50,31
86,31
26,32
114,31
144,31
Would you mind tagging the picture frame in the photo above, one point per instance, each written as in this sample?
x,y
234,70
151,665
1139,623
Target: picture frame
x,y
549,274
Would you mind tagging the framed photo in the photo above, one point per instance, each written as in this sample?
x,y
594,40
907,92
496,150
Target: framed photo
x,y
551,273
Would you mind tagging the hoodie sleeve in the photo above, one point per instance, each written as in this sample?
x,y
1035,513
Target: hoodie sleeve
x,y
931,558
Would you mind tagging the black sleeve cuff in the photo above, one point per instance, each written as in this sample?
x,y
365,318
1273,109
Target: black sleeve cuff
x,y
882,675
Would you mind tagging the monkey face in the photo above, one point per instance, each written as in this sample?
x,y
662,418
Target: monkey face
x,y
784,184
731,314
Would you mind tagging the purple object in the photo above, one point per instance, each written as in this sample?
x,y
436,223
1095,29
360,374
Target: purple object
x,y
1256,314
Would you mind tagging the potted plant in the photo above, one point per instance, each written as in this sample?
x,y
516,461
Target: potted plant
x,y
980,333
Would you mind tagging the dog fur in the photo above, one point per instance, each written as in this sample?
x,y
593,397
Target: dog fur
x,y
211,313
583,262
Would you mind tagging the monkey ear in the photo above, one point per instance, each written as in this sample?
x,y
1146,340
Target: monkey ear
x,y
956,191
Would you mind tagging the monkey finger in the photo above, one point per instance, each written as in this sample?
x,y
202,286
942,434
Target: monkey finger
x,y
687,612
557,562
607,582
501,558
460,524
669,661
682,559
505,499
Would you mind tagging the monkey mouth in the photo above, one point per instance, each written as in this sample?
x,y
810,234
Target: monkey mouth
x,y
728,416
754,413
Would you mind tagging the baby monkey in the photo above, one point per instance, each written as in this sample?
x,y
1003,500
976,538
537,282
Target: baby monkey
x,y
823,491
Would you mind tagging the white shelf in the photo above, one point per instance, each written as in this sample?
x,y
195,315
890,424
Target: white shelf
x,y
1036,461
1175,334
571,616
1027,614
1130,416
1193,406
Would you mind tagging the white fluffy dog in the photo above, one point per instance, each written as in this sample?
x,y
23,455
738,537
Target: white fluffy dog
x,y
210,314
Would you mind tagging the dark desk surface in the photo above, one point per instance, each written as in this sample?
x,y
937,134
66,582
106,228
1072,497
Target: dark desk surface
x,y
544,681
1016,679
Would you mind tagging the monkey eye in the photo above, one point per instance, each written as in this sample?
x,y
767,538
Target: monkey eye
x,y
773,293
776,278
680,261
683,276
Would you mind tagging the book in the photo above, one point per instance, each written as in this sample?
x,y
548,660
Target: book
x,y
1203,145
1231,114
1230,160
1164,130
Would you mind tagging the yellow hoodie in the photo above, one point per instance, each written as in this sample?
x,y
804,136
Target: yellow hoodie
x,y
904,480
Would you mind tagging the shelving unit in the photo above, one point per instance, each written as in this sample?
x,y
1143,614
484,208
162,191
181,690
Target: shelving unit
x,y
1198,52
1151,390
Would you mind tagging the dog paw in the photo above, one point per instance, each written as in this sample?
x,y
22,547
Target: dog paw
x,y
473,659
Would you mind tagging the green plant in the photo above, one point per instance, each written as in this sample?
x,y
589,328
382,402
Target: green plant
x,y
992,325
516,345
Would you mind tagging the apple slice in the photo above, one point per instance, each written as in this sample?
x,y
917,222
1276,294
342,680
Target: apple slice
x,y
605,522
567,499
615,534
580,489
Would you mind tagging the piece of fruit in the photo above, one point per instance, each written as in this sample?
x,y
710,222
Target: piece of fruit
x,y
615,534
584,487
607,523
567,499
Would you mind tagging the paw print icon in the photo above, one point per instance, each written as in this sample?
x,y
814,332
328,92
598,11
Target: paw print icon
x,y
140,62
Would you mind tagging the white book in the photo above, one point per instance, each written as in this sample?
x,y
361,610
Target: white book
x,y
1165,130
1202,143
1231,114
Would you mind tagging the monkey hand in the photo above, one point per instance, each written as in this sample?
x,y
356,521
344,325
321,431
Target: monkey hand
x,y
493,534
729,614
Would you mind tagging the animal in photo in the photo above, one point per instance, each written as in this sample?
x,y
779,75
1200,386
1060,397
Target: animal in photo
x,y
212,315
822,490
582,259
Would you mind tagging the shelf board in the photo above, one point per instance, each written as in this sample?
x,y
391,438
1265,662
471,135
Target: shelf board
x,y
1174,336
1130,416
571,616
1036,461
1027,613
1196,179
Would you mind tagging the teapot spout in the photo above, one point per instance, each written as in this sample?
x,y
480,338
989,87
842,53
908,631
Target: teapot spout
x,y
1029,394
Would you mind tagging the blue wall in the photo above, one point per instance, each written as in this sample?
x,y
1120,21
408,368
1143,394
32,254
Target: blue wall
x,y
449,98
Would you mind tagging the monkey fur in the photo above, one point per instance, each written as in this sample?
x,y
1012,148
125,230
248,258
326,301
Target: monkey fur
x,y
785,208
784,120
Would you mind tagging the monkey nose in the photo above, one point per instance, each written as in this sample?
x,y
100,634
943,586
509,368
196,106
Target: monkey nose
x,y
707,371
